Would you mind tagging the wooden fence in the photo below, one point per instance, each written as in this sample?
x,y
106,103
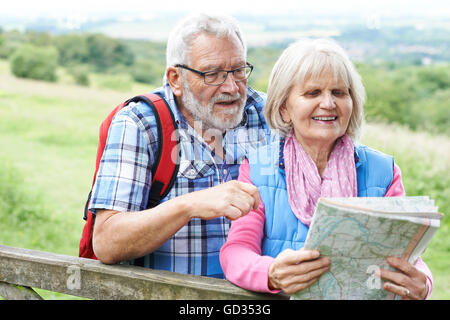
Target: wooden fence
x,y
24,269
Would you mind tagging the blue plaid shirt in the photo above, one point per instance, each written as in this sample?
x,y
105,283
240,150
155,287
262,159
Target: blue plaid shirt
x,y
124,178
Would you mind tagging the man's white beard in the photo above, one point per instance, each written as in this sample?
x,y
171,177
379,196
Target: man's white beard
x,y
205,114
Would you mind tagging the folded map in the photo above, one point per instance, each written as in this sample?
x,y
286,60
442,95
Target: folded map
x,y
358,234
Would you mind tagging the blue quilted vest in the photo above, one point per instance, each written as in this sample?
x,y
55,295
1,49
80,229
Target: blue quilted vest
x,y
283,230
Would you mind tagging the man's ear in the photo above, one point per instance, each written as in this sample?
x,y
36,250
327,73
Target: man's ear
x,y
175,80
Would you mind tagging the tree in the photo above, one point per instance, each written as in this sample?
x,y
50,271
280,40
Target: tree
x,y
105,52
73,49
34,62
147,71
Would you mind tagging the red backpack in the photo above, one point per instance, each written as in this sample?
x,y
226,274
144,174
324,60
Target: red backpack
x,y
163,176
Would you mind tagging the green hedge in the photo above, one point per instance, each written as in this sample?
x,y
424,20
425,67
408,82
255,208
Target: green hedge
x,y
34,62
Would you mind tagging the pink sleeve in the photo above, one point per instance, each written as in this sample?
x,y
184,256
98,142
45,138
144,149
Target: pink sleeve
x,y
421,266
240,256
397,190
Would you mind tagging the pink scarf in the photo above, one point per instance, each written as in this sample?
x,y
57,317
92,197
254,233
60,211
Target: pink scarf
x,y
304,184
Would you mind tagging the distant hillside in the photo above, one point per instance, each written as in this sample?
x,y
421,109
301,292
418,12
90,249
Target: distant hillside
x,y
375,37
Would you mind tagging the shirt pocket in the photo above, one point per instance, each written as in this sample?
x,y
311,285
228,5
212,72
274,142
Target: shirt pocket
x,y
194,169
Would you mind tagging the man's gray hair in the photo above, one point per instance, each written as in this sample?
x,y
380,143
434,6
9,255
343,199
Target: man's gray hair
x,y
180,39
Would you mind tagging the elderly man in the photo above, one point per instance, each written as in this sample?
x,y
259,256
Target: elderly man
x,y
219,118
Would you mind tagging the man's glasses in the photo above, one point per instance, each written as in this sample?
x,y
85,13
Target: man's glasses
x,y
216,78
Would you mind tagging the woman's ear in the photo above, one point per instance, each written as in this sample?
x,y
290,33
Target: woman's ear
x,y
175,80
285,114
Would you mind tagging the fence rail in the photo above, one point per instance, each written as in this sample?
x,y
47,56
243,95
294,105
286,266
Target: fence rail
x,y
24,269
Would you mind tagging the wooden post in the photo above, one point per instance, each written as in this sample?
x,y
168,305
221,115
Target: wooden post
x,y
92,279
15,292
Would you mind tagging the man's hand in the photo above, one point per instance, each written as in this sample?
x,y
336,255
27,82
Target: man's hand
x,y
232,199
120,236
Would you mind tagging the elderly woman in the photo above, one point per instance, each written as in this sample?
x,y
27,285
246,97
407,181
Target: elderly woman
x,y
315,100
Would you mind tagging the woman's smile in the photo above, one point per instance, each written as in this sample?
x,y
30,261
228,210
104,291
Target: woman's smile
x,y
319,110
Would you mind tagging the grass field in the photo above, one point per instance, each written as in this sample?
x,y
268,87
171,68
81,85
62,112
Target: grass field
x,y
425,164
48,139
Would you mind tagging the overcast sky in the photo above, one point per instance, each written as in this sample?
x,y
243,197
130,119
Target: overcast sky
x,y
86,8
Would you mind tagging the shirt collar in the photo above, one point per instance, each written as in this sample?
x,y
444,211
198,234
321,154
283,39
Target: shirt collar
x,y
170,98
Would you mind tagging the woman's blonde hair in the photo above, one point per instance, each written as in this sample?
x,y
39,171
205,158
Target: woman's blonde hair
x,y
310,59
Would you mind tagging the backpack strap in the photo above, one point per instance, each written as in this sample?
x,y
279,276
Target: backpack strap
x,y
163,176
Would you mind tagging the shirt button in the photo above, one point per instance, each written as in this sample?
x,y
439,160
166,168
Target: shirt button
x,y
225,171
191,172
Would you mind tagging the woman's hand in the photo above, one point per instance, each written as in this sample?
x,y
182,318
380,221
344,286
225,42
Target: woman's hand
x,y
408,282
292,271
